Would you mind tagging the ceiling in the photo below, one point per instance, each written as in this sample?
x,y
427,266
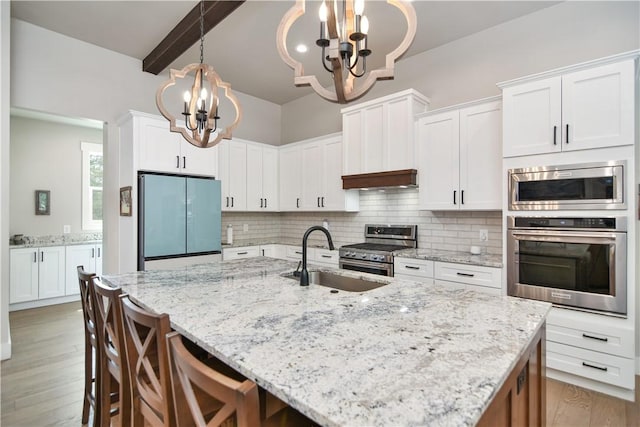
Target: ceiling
x,y
242,48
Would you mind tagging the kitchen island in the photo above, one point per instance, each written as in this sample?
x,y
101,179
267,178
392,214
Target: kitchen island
x,y
404,354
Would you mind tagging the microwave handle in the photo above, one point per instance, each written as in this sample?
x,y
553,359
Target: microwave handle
x,y
543,235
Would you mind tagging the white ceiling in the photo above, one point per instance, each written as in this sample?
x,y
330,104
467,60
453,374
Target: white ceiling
x,y
242,48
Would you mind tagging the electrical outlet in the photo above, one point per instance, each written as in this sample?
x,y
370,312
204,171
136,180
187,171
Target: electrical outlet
x,y
484,235
245,227
66,229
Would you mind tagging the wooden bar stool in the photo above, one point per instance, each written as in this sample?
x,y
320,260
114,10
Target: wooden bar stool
x,y
114,382
91,350
148,365
237,403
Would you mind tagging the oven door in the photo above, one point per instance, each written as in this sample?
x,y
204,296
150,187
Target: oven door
x,y
379,268
579,269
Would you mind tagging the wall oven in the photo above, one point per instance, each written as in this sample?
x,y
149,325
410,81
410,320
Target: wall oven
x,y
579,186
574,262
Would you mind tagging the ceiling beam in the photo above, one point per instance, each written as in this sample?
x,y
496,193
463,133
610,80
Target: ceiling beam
x,y
186,33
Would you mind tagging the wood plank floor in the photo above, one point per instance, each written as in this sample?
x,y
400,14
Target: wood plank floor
x,y
42,384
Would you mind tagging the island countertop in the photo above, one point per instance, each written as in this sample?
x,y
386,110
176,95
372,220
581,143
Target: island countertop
x,y
405,354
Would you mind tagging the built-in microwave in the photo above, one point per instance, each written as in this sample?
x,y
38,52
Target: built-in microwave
x,y
578,186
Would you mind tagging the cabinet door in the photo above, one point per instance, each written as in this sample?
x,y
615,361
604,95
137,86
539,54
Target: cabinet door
x,y
399,141
233,174
374,131
255,200
99,259
290,178
198,161
23,281
84,255
532,118
598,106
312,167
51,274
270,185
333,196
159,149
352,135
481,157
438,145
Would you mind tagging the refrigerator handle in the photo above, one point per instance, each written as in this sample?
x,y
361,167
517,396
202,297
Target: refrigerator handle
x,y
141,221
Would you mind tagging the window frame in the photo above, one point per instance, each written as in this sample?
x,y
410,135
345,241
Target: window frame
x,y
88,149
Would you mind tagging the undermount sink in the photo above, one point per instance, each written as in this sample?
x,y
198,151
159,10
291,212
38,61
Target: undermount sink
x,y
337,281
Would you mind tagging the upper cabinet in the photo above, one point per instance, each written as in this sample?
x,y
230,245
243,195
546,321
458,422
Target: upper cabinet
x,y
262,177
233,174
157,149
378,135
587,108
311,176
459,152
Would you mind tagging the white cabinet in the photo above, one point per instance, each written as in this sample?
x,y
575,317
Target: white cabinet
x,y
36,273
459,156
413,269
272,251
588,108
240,252
233,174
324,257
378,135
262,177
474,277
87,255
311,177
164,151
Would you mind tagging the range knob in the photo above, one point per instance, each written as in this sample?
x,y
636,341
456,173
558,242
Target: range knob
x,y
363,256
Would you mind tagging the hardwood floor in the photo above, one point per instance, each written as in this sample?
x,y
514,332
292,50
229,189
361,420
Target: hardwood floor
x,y
42,383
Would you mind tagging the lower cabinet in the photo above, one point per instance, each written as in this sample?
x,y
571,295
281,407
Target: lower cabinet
x,y
464,276
413,269
89,256
240,252
36,273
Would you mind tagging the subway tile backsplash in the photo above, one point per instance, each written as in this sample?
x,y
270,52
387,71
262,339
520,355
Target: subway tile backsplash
x,y
445,230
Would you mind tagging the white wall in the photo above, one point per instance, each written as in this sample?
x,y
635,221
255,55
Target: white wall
x,y
41,150
5,26
469,68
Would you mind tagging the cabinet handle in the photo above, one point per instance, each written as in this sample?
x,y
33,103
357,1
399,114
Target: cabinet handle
x,y
93,253
35,257
411,267
41,256
465,274
242,253
462,197
318,202
231,201
555,131
604,339
325,256
227,201
454,197
265,202
261,202
297,202
567,135
98,252
322,199
178,162
184,162
299,253
600,368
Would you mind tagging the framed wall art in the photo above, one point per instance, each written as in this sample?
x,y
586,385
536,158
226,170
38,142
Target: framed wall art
x,y
43,202
125,201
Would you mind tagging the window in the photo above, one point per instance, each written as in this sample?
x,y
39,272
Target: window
x,y
91,186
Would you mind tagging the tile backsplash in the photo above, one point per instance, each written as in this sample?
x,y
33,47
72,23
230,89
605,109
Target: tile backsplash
x,y
446,230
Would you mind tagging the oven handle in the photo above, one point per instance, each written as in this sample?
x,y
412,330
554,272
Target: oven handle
x,y
367,264
559,236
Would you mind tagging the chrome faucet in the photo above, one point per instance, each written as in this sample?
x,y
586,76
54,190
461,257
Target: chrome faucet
x,y
304,274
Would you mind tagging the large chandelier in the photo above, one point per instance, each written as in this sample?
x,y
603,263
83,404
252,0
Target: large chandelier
x,y
344,48
202,102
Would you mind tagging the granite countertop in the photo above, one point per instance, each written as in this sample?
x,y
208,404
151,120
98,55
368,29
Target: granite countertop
x,y
486,260
403,354
57,240
288,242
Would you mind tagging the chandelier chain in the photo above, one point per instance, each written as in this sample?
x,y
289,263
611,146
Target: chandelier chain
x,y
201,31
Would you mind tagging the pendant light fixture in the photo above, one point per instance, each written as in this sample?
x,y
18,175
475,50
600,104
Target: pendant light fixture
x,y
344,47
201,103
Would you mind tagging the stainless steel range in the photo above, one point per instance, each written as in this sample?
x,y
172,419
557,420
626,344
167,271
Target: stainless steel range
x,y
375,255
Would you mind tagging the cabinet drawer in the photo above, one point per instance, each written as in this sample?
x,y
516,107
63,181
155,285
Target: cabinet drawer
x,y
243,252
326,256
602,367
614,341
413,267
294,253
469,274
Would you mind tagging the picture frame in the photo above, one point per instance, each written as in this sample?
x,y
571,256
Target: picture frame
x,y
43,202
125,201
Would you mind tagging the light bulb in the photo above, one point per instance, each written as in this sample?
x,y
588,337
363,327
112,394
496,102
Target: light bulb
x,y
364,25
322,12
203,93
358,7
186,96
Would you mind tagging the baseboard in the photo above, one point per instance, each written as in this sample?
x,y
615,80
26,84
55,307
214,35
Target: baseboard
x,y
611,390
6,349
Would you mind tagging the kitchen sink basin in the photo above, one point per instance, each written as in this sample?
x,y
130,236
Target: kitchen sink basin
x,y
337,281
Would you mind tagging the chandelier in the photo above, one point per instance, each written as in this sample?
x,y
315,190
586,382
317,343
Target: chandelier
x,y
201,102
344,47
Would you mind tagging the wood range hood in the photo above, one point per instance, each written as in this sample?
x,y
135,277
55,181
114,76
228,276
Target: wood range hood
x,y
404,178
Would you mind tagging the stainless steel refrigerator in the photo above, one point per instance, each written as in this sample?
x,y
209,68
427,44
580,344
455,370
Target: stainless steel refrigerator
x,y
180,216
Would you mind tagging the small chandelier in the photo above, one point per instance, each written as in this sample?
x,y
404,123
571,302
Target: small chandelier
x,y
344,48
201,103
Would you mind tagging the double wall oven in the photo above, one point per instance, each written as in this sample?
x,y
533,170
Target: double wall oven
x,y
375,255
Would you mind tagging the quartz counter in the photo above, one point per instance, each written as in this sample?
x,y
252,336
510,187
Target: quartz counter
x,y
404,354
